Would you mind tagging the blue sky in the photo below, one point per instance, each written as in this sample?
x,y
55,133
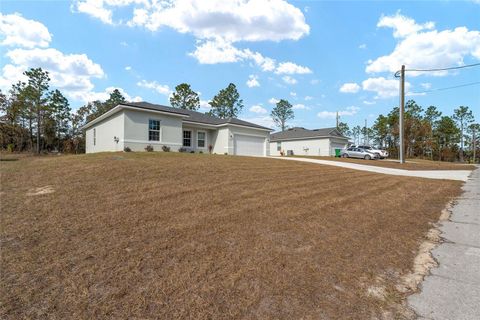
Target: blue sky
x,y
322,56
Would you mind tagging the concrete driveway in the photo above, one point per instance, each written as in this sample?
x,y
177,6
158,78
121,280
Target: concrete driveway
x,y
461,175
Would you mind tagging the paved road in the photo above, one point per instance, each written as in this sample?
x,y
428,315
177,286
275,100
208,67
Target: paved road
x,y
452,291
461,175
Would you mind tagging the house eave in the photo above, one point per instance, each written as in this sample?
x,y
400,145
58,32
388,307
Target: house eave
x,y
215,126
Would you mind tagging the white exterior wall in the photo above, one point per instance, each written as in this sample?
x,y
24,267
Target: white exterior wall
x,y
219,140
316,147
105,132
136,130
248,132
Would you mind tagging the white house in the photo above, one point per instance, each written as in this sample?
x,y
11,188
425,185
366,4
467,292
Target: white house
x,y
301,141
137,125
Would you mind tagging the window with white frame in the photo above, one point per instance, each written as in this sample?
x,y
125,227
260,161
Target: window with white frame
x,y
153,130
201,136
94,137
279,146
187,138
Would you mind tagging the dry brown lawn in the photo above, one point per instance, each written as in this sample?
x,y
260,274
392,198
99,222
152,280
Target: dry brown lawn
x,y
410,164
175,236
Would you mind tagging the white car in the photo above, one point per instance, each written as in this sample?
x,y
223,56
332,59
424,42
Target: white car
x,y
354,152
382,154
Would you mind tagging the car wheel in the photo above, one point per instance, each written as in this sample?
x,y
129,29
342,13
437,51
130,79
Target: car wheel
x,y
344,155
378,155
367,157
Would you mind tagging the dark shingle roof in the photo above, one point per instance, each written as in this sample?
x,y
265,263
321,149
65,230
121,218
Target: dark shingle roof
x,y
299,133
193,116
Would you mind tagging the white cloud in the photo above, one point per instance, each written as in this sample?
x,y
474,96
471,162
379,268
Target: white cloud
x,y
273,101
71,73
403,26
420,46
95,9
253,81
258,109
265,63
154,85
427,85
308,98
218,24
234,21
362,46
291,68
265,121
349,87
128,68
384,88
204,105
293,94
289,80
222,51
102,96
18,31
314,81
258,20
300,106
368,102
218,51
349,111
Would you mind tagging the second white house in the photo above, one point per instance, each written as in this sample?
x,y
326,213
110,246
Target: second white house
x,y
301,141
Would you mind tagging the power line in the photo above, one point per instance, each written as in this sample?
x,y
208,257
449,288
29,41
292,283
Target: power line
x,y
448,88
397,74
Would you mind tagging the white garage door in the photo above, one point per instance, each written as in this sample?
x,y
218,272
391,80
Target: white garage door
x,y
249,145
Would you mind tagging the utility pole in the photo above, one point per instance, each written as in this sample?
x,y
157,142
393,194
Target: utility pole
x,y
474,146
38,126
402,110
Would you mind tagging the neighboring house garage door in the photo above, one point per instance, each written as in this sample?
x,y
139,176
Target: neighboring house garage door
x,y
249,145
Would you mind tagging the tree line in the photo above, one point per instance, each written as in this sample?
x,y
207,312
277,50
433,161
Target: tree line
x,y
35,118
428,133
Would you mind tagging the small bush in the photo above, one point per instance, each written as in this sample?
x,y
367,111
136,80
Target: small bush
x,y
165,149
149,148
127,149
182,149
210,148
191,151
226,153
10,147
200,151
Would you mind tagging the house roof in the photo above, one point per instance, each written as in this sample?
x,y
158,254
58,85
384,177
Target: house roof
x,y
189,116
298,133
